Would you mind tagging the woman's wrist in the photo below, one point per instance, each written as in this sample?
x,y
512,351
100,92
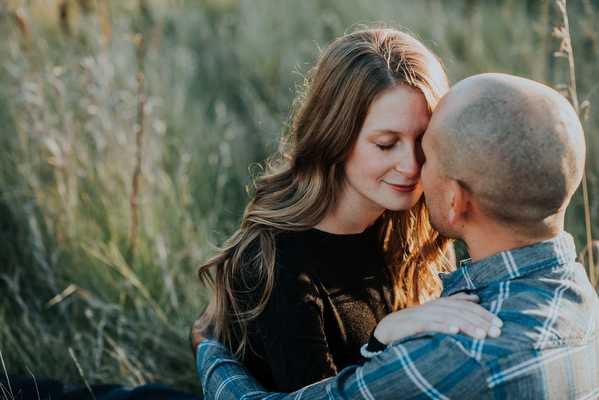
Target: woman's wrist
x,y
373,347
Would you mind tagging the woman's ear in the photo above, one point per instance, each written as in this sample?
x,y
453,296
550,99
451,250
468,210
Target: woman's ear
x,y
459,198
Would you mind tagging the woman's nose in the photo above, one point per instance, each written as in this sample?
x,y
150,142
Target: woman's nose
x,y
409,162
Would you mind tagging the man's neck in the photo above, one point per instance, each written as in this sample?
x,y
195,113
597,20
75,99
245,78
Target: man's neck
x,y
493,239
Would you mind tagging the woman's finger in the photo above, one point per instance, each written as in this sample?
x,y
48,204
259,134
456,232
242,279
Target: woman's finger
x,y
471,318
462,296
451,315
478,314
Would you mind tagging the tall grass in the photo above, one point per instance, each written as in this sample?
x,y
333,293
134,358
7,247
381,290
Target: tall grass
x,y
566,51
76,270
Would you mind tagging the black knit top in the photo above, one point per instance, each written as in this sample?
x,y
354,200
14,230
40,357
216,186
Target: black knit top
x,y
330,292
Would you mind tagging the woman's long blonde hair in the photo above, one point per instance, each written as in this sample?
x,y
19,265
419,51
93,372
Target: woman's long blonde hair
x,y
303,180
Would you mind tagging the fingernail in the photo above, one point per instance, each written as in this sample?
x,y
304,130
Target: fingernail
x,y
497,322
480,333
494,332
454,329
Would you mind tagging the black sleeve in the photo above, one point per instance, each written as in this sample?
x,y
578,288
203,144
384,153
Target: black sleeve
x,y
291,329
374,344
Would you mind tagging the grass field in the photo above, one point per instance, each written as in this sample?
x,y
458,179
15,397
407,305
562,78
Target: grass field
x,y
88,278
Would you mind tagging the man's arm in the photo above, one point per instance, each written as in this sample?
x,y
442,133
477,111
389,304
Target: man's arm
x,y
201,330
223,377
432,314
434,365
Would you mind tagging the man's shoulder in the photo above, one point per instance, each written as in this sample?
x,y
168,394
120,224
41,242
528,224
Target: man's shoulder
x,y
550,333
552,308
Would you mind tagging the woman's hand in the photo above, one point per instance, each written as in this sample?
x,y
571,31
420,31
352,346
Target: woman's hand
x,y
450,315
201,330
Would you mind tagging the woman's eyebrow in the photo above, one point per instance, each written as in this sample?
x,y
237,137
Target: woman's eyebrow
x,y
384,131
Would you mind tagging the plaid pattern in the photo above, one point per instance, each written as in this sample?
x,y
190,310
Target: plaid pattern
x,y
548,349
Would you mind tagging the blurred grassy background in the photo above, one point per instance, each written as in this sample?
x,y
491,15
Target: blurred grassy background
x,y
220,77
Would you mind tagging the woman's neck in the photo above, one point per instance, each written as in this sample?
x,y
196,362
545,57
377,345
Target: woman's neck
x,y
346,224
350,215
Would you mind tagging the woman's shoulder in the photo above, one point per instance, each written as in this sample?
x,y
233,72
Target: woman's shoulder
x,y
291,256
288,247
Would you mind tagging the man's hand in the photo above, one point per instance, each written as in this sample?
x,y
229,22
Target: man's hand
x,y
201,330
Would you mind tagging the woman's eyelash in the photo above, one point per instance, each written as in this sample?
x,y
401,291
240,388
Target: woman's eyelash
x,y
385,147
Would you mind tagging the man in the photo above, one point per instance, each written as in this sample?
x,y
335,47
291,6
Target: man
x,y
504,155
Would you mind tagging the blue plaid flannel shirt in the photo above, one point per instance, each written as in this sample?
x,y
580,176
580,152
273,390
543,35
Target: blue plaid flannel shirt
x,y
548,349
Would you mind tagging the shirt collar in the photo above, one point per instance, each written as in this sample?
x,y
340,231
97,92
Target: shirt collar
x,y
509,265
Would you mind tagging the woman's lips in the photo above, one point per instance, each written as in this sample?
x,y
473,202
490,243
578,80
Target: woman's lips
x,y
403,188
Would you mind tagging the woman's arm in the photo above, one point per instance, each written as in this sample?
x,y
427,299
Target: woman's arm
x,y
297,350
292,331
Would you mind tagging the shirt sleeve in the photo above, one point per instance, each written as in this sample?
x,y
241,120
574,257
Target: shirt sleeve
x,y
374,346
223,377
291,329
436,366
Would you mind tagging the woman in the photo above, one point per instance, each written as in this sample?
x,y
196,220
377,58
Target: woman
x,y
337,235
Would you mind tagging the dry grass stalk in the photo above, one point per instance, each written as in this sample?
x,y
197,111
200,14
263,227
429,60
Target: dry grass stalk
x,y
63,13
20,20
563,32
4,393
72,354
591,249
141,99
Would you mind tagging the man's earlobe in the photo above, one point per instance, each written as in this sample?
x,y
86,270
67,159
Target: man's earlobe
x,y
458,201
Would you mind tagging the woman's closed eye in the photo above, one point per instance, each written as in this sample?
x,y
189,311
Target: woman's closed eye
x,y
385,147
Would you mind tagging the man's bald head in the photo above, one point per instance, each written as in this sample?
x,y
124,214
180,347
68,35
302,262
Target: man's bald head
x,y
516,144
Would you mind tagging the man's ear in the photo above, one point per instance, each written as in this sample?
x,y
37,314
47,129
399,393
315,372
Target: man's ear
x,y
459,201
